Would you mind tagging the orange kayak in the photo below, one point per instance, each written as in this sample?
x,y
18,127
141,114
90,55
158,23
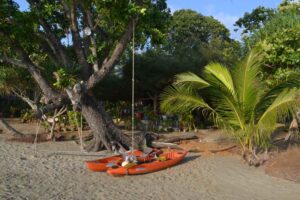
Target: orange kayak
x,y
165,160
103,164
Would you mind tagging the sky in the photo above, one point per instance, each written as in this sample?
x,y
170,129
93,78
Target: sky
x,y
226,11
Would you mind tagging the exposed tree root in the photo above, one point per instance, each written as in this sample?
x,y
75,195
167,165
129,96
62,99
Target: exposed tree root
x,y
184,136
10,129
223,149
30,138
293,134
255,160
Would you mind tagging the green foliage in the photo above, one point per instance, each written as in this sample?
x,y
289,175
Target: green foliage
x,y
63,79
191,29
192,34
73,118
238,100
155,69
6,80
116,109
150,113
289,6
110,20
12,79
27,115
114,15
193,41
253,21
281,75
280,40
187,121
278,36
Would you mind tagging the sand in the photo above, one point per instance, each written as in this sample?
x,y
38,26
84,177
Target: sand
x,y
285,165
43,174
50,176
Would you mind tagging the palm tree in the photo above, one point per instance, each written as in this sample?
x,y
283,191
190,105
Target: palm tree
x,y
237,100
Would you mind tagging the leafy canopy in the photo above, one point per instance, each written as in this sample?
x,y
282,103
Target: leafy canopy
x,y
253,21
44,31
276,32
193,34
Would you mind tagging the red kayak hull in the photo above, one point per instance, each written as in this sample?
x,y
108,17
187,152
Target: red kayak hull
x,y
103,164
173,158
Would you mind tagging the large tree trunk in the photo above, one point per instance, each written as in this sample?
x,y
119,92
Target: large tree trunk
x,y
89,109
106,133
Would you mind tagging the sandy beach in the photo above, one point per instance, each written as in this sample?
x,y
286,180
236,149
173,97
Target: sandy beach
x,y
26,174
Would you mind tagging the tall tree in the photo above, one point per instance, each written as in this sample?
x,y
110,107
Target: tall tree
x,y
255,20
193,34
100,32
276,32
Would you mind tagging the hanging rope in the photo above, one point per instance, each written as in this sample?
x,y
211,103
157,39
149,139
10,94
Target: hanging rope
x,y
132,85
36,137
79,130
81,140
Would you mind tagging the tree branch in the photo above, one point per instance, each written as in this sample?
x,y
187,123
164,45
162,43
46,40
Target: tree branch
x,y
117,53
15,62
52,40
31,103
77,42
49,92
50,50
55,44
88,21
51,107
26,63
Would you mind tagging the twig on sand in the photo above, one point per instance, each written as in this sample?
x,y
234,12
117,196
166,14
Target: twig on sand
x,y
223,149
74,153
186,136
165,145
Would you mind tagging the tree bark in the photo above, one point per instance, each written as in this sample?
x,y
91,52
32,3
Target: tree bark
x,y
106,133
90,111
155,103
98,76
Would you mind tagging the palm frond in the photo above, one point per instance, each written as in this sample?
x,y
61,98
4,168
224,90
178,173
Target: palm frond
x,y
176,99
269,96
285,102
247,85
190,80
219,77
230,111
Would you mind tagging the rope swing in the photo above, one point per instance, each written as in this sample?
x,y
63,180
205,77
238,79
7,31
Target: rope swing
x,y
79,129
132,90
